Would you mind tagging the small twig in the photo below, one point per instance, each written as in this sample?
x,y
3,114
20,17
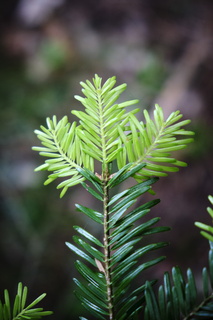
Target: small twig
x,y
203,303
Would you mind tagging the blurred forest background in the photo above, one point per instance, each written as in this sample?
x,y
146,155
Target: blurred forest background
x,y
163,51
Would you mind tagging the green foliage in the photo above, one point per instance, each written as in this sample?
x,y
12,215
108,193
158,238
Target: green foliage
x,y
107,133
152,142
180,299
19,310
122,266
208,233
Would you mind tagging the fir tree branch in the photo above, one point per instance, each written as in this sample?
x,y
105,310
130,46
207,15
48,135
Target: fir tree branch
x,y
198,308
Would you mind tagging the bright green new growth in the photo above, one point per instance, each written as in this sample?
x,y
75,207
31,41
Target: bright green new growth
x,y
19,310
208,230
109,134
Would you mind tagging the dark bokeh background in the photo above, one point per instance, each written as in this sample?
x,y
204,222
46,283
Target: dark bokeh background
x,y
163,51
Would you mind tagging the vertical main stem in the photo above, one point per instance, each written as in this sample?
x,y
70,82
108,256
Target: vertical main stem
x,y
107,253
105,179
